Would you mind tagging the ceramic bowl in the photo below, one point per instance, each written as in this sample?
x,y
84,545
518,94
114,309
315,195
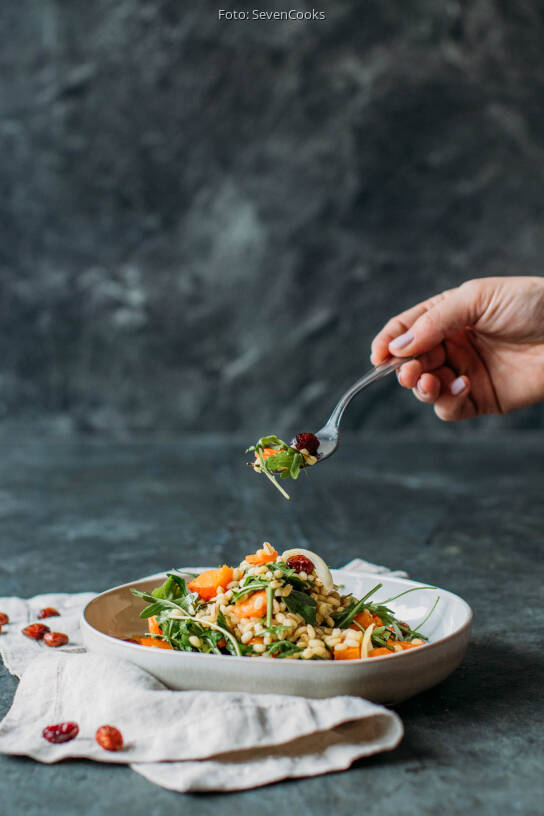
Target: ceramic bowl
x,y
113,615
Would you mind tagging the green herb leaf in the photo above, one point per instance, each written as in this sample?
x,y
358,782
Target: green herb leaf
x,y
296,464
300,603
280,461
406,591
425,619
274,630
282,648
343,620
152,609
254,586
287,462
269,604
179,581
291,576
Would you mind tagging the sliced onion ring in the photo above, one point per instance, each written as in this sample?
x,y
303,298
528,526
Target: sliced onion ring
x,y
321,569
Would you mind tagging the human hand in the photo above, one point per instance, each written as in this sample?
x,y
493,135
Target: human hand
x,y
480,347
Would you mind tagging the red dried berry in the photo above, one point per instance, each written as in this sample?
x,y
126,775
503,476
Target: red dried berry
x,y
63,732
300,563
48,612
308,441
109,737
36,631
55,639
3,618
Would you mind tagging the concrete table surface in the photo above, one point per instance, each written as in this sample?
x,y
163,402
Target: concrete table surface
x,y
461,511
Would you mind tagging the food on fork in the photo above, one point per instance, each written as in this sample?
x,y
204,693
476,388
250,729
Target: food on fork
x,y
283,606
272,455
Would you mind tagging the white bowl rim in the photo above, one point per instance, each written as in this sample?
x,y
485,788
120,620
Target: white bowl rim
x,y
175,654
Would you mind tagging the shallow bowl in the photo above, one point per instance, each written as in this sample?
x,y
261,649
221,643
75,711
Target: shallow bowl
x,y
113,615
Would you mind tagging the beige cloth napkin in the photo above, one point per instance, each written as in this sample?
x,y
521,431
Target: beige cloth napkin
x,y
181,740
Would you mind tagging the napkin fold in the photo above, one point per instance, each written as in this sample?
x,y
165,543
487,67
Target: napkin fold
x,y
181,740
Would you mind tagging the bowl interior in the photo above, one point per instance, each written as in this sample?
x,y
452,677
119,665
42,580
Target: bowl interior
x,y
115,613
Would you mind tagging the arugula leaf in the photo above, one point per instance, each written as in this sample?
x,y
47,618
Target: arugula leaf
x,y
300,603
146,596
287,461
274,630
182,604
152,609
166,590
243,648
291,576
380,637
269,476
179,582
296,465
189,600
222,621
268,442
253,586
425,619
269,604
281,460
406,591
282,648
344,619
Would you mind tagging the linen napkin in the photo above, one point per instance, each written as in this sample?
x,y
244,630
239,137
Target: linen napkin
x,y
181,740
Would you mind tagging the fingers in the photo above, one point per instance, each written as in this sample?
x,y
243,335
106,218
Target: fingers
x,y
409,373
427,388
380,344
393,328
427,324
447,392
453,403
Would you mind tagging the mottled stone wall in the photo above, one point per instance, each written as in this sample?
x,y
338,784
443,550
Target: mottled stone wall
x,y
203,223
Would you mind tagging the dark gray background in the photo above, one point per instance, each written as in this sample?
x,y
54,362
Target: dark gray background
x,y
203,223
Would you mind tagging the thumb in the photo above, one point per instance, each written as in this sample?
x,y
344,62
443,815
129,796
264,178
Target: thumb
x,y
443,316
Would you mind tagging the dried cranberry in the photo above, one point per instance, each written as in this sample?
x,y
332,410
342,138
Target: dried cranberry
x,y
109,737
306,440
55,639
63,732
48,612
300,563
3,618
36,631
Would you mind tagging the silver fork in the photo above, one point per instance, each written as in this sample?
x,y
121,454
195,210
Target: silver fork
x,y
329,433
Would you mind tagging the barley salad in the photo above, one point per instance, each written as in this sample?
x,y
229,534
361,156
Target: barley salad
x,y
282,606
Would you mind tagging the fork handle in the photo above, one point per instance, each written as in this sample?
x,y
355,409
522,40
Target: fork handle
x,y
371,376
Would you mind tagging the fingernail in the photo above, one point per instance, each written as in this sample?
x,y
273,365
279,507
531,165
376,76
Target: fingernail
x,y
421,389
402,340
457,386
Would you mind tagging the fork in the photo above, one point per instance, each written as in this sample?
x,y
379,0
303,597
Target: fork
x,y
329,433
